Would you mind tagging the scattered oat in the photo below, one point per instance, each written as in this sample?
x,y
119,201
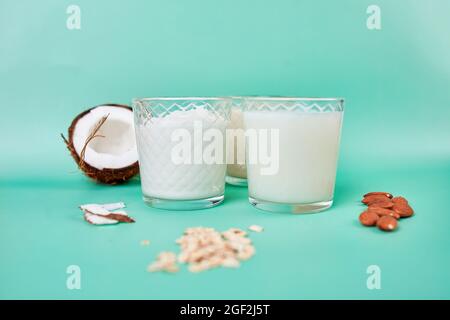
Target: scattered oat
x,y
256,228
230,262
166,261
145,242
206,248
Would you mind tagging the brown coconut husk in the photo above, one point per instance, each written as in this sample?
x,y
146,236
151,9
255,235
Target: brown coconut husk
x,y
106,175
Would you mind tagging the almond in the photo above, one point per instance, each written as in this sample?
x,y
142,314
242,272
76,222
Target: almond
x,y
374,198
368,218
379,193
384,212
399,200
387,223
381,204
403,210
387,208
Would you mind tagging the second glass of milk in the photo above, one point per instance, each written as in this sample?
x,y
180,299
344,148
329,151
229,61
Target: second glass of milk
x,y
236,169
292,152
181,147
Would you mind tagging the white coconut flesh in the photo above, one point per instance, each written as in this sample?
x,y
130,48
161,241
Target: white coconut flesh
x,y
115,147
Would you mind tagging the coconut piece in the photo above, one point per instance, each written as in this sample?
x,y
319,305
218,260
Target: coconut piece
x,y
95,209
98,220
113,206
120,216
97,214
103,208
102,142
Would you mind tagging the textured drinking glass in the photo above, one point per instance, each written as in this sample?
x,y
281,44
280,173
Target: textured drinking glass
x,y
296,171
181,147
236,169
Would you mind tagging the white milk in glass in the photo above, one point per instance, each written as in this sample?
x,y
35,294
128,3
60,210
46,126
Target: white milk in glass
x,y
308,153
164,179
236,147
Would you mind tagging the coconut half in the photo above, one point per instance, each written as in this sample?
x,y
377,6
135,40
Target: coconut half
x,y
103,144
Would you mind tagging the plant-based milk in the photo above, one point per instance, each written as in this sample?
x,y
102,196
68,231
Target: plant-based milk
x,y
163,178
308,153
236,146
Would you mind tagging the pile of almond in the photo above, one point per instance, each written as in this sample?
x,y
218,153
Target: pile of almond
x,y
384,210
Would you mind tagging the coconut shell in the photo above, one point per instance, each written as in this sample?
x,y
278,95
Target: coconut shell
x,y
106,175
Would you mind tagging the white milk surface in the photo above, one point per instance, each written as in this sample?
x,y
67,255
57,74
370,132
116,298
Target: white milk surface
x,y
160,176
308,153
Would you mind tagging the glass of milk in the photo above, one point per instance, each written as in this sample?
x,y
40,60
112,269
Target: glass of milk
x,y
181,147
292,152
236,169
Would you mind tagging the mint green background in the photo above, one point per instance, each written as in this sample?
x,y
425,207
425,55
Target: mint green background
x,y
396,137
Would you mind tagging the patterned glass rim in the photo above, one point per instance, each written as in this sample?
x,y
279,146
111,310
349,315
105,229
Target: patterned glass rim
x,y
181,99
293,99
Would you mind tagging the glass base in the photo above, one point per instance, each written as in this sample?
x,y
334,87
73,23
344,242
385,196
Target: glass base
x,y
235,181
183,204
290,208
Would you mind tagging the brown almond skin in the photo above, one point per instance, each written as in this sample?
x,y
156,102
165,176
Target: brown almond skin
x,y
370,199
384,212
399,200
379,193
403,210
368,218
119,217
381,204
387,223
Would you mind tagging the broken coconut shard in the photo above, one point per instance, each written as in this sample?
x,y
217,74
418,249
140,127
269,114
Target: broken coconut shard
x,y
102,142
104,214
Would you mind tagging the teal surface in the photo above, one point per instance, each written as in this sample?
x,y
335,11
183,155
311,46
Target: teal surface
x,y
396,137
